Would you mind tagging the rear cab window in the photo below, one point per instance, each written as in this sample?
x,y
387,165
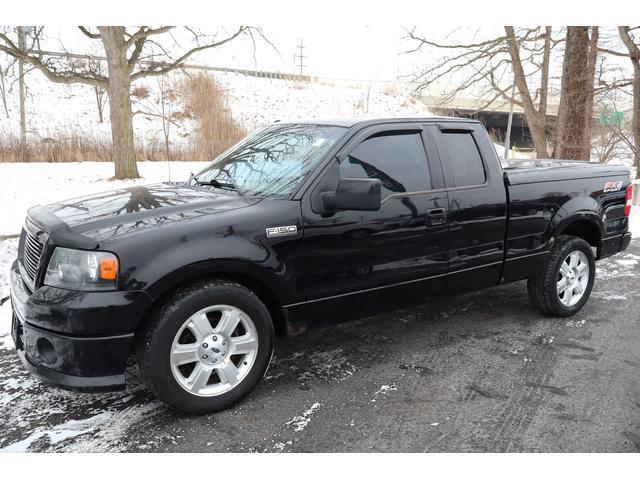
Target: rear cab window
x,y
464,156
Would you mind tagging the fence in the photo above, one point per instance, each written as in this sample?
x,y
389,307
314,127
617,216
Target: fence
x,y
188,66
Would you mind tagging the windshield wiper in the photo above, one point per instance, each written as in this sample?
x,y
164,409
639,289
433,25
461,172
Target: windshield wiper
x,y
216,184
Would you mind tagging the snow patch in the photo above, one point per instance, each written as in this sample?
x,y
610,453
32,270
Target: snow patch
x,y
627,262
608,296
23,185
634,221
59,433
299,423
385,389
576,323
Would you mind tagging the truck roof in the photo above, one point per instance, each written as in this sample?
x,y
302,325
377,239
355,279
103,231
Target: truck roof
x,y
352,122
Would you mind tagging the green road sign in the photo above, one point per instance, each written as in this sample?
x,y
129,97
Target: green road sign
x,y
613,118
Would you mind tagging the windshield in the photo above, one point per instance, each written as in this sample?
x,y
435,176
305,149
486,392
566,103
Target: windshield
x,y
272,162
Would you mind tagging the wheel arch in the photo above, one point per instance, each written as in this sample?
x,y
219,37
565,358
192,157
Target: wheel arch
x,y
579,217
260,283
585,228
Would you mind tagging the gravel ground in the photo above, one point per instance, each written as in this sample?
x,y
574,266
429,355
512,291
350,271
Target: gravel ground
x,y
482,372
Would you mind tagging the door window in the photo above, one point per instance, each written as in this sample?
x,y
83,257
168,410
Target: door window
x,y
398,160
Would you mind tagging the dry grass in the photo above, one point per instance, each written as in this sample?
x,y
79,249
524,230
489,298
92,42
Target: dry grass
x,y
59,148
205,102
140,91
390,89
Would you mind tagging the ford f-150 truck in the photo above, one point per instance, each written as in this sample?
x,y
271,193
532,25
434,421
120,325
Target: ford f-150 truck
x,y
298,225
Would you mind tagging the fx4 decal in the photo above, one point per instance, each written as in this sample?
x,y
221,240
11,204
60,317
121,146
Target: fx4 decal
x,y
612,186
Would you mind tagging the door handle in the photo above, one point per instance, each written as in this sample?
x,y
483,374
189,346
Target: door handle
x,y
436,216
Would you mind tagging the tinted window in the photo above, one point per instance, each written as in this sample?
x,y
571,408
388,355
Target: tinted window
x,y
465,158
397,160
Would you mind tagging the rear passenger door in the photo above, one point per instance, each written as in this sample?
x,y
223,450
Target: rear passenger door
x,y
363,262
477,204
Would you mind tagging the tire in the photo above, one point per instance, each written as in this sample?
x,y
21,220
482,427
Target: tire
x,y
171,349
546,291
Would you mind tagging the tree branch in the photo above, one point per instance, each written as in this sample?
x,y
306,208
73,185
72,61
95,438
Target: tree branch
x,y
93,36
144,32
164,68
65,76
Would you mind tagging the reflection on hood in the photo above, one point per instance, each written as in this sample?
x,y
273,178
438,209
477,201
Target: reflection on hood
x,y
103,216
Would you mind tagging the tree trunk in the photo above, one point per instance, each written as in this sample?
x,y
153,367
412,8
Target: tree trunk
x,y
573,94
22,92
635,122
123,151
591,72
99,102
634,56
535,121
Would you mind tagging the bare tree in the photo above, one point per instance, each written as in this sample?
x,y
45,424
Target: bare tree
x,y
160,107
629,37
22,92
573,139
615,141
591,73
536,117
99,91
5,71
124,50
492,67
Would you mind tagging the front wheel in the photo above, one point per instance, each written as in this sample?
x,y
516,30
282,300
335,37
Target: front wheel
x,y
565,284
207,347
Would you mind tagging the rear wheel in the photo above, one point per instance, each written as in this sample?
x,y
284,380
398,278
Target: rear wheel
x,y
565,284
207,347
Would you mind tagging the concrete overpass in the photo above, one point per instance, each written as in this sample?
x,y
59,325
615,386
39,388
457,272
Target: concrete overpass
x,y
495,117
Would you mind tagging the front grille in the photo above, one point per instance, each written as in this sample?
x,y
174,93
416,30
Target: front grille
x,y
33,248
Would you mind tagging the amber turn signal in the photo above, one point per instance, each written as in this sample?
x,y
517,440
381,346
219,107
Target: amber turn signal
x,y
108,268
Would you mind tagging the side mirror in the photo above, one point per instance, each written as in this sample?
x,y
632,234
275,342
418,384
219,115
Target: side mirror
x,y
354,194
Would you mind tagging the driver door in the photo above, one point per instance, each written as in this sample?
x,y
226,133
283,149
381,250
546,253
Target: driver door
x,y
363,262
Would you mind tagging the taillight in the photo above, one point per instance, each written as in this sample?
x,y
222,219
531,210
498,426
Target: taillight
x,y
627,204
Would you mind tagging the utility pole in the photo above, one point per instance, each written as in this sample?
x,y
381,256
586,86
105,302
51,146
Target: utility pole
x,y
22,93
507,139
300,56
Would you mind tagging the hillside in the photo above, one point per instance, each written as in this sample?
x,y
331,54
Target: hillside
x,y
55,110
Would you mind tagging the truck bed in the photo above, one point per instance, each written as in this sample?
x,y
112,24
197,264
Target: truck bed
x,y
535,171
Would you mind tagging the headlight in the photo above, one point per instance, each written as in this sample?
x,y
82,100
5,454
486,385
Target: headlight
x,y
82,270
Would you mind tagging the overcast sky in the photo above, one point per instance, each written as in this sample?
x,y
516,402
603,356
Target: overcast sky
x,y
354,52
362,52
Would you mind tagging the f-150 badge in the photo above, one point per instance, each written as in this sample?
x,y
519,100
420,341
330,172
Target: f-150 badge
x,y
612,186
281,231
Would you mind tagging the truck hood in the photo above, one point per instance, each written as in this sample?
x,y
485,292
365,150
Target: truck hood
x,y
110,215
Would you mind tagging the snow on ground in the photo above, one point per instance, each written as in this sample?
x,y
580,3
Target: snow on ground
x,y
23,185
634,222
258,101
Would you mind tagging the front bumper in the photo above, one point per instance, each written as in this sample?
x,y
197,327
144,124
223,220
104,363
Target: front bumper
x,y
62,337
78,364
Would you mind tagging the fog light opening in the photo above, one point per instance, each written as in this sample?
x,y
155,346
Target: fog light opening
x,y
46,351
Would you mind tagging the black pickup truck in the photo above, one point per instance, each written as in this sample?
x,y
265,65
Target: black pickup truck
x,y
298,225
